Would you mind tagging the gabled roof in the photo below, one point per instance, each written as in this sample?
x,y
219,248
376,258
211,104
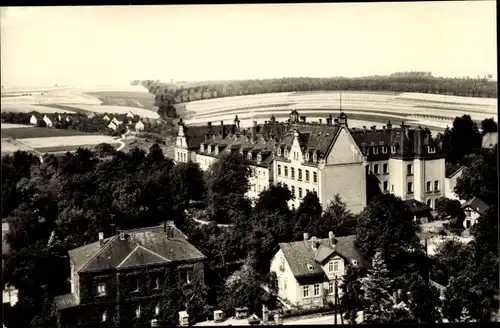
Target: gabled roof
x,y
452,169
140,247
305,261
490,139
477,205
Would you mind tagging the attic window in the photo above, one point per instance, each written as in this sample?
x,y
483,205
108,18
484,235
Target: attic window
x,y
216,150
393,149
249,156
286,152
259,159
209,149
431,149
279,151
202,148
384,150
315,157
310,267
307,156
354,262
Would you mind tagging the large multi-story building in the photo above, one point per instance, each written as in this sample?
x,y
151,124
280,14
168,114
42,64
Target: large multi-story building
x,y
326,159
122,279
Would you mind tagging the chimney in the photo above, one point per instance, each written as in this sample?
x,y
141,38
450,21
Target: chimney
x,y
306,236
331,238
383,127
374,128
168,229
101,238
265,314
122,235
389,125
209,127
364,129
314,243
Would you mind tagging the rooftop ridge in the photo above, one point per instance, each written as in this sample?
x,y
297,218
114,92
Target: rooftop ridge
x,y
105,246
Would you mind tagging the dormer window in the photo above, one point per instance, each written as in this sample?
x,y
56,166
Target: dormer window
x,y
393,149
259,159
249,156
310,267
431,149
286,153
307,157
202,148
315,157
216,150
375,150
384,150
354,262
209,149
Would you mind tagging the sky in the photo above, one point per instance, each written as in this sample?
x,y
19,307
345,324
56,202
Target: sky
x,y
117,44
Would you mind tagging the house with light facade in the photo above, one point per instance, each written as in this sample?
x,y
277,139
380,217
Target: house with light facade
x,y
325,159
452,173
308,271
474,208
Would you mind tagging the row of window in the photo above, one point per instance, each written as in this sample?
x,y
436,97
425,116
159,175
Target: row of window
x,y
429,186
181,157
299,174
316,290
300,191
138,313
385,168
384,149
258,188
296,155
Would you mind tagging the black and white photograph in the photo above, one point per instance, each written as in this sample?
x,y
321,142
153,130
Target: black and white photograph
x,y
249,164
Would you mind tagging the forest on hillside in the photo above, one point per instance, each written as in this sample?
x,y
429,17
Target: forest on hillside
x,y
167,95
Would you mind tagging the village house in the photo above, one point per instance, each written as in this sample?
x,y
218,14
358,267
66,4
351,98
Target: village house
x,y
490,140
130,115
139,126
34,119
326,159
452,173
307,271
112,126
106,118
119,280
116,121
473,209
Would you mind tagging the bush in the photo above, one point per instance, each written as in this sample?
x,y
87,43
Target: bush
x,y
153,136
299,311
442,232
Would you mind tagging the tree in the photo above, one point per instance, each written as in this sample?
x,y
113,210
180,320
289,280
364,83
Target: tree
x,y
307,215
273,199
423,299
456,299
352,298
386,224
104,149
338,218
227,183
489,125
187,183
479,179
446,208
461,139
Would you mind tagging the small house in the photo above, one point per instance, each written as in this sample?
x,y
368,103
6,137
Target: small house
x,y
106,118
473,209
139,126
130,115
452,173
112,126
47,121
116,121
33,119
91,115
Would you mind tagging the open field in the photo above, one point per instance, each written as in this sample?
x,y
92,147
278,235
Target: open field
x,y
9,145
27,108
116,110
58,149
40,143
125,98
14,126
37,132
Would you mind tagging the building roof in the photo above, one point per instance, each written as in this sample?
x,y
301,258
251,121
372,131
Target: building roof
x,y
452,169
477,205
305,261
66,301
490,139
140,247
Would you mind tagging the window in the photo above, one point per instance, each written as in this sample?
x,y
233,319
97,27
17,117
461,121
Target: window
x,y
284,284
286,171
428,186
314,191
436,185
393,149
330,266
375,168
216,150
292,172
305,291
315,158
385,168
409,169
410,187
157,309
384,150
286,152
138,312
202,148
375,150
156,284
429,202
136,285
259,159
431,149
316,290
331,288
392,188
315,177
279,169
307,157
354,262
307,191
386,183
104,316
209,149
101,289
299,171
307,175
300,193
249,156
293,191
335,266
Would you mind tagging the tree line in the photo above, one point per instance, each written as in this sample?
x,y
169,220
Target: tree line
x,y
167,95
79,194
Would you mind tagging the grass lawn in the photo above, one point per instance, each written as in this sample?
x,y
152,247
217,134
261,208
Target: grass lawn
x,y
69,148
38,132
125,98
64,108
